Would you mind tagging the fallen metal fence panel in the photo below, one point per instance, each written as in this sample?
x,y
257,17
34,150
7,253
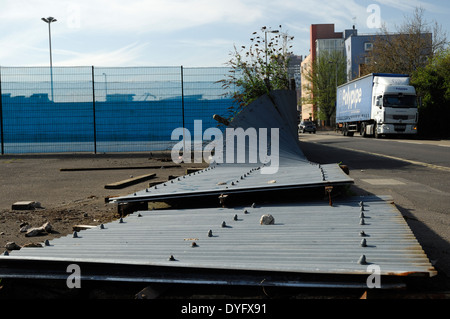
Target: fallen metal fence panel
x,y
306,243
226,175
310,238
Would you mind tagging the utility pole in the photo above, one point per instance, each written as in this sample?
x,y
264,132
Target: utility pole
x,y
49,20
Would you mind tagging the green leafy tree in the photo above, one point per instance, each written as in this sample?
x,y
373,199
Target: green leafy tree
x,y
258,68
324,75
432,83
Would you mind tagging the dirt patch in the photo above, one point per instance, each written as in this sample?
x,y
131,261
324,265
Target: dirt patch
x,y
91,211
71,190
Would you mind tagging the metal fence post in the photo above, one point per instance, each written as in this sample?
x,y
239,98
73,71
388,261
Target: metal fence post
x,y
182,110
1,116
93,112
182,95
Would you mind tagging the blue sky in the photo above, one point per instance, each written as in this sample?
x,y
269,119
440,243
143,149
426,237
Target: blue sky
x,y
192,33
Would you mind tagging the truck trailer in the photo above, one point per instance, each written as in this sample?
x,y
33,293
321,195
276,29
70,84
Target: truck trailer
x,y
378,104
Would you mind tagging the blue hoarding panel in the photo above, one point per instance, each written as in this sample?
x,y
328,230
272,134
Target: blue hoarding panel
x,y
87,109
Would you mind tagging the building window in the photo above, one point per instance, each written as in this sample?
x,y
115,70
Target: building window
x,y
368,46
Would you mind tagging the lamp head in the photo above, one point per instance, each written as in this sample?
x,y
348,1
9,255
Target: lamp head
x,y
49,20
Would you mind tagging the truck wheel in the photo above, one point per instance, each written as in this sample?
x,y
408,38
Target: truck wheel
x,y
375,133
363,130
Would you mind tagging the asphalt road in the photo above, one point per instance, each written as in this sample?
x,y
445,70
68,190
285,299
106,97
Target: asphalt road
x,y
416,173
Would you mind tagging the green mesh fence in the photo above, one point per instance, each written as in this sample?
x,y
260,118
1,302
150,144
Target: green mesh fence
x,y
90,109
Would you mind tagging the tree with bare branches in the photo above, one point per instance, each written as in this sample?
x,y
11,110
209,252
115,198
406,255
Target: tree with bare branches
x,y
409,48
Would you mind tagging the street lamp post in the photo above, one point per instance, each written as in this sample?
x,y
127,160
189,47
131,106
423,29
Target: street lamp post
x,y
49,20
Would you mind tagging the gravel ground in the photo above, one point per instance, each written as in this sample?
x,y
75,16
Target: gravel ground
x,y
70,190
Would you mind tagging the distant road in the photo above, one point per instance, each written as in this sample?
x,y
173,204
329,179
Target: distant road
x,y
430,153
416,173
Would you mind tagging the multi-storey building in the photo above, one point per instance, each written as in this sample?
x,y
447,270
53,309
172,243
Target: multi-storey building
x,y
322,38
356,48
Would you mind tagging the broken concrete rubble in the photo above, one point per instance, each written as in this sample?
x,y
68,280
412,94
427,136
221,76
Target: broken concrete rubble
x,y
44,229
12,246
24,227
267,219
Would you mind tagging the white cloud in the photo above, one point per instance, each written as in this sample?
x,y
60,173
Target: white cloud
x,y
17,43
409,5
127,55
157,15
153,32
106,30
343,14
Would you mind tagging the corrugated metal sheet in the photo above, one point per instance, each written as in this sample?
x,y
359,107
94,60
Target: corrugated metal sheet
x,y
311,238
307,238
228,179
268,112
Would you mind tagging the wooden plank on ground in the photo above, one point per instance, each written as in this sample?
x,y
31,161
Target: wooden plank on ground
x,y
74,169
190,170
130,181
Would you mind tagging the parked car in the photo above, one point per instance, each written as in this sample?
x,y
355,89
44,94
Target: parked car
x,y
307,126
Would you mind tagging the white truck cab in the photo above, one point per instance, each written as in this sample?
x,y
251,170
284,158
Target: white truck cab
x,y
394,108
377,104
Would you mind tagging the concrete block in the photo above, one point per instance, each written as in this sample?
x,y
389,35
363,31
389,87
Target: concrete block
x,y
26,205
